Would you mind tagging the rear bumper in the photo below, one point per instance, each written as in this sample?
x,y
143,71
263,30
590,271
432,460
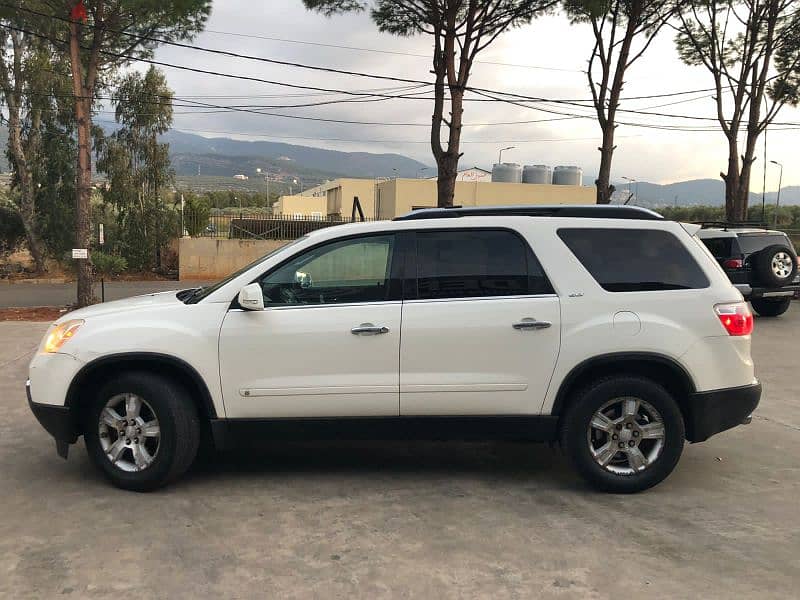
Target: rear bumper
x,y
58,421
751,293
718,410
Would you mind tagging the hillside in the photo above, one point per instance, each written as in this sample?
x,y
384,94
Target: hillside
x,y
705,192
225,156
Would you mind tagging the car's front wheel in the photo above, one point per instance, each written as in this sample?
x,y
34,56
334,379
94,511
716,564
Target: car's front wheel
x,y
771,307
623,434
142,431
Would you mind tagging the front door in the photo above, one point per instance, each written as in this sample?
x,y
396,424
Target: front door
x,y
328,341
481,332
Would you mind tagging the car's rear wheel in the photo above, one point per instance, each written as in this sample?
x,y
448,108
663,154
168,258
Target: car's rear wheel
x,y
771,307
142,431
775,265
624,434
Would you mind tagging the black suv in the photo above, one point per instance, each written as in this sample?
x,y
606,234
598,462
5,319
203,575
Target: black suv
x,y
761,263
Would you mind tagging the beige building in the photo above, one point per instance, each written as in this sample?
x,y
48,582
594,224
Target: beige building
x,y
388,198
301,206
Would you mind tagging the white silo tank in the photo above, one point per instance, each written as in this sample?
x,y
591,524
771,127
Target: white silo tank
x,y
565,175
507,173
537,174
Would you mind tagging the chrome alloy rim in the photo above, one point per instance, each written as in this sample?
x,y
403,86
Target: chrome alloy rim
x,y
626,435
129,432
782,265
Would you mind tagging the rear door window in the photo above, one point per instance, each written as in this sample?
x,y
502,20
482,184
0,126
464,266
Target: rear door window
x,y
634,260
476,263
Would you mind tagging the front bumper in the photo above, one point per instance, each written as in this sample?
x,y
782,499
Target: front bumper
x,y
712,412
58,421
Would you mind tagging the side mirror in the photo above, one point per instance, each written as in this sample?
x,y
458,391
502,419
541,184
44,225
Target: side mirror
x,y
251,297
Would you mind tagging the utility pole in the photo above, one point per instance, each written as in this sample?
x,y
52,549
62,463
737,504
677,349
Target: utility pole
x,y
764,183
778,199
500,156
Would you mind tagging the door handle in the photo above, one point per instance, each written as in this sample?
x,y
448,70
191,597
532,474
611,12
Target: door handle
x,y
529,323
369,329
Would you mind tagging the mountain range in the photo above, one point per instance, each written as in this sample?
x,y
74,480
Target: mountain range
x,y
696,192
226,157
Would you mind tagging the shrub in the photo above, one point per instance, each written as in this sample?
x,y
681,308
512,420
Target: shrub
x,y
108,265
12,234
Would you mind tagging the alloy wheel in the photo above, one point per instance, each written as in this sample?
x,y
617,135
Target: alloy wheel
x,y
129,432
626,435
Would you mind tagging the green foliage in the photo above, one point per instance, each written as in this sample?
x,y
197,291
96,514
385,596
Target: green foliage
x,y
138,169
54,175
108,265
12,233
196,213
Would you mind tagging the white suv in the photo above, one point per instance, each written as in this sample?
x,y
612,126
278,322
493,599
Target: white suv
x,y
608,329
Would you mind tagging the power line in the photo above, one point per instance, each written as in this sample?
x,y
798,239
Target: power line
x,y
290,64
378,51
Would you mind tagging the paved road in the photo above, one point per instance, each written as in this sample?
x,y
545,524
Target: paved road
x,y
407,520
63,294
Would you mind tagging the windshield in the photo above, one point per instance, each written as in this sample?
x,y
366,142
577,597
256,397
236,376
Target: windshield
x,y
203,292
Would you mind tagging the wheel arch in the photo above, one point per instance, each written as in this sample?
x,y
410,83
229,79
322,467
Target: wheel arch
x,y
161,364
662,369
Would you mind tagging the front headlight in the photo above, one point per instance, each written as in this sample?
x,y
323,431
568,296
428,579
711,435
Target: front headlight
x,y
63,332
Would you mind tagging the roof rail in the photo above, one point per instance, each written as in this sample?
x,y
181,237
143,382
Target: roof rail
x,y
594,211
732,224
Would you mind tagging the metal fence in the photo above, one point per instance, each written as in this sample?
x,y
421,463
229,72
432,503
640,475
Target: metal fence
x,y
259,227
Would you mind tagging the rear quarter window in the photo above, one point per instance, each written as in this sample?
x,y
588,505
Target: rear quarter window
x,y
755,242
721,248
634,260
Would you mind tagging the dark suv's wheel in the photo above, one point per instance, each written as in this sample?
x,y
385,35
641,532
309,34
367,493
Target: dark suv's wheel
x,y
142,431
624,434
771,307
775,265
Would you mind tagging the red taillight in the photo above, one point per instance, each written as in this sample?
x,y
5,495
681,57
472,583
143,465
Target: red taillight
x,y
733,263
736,318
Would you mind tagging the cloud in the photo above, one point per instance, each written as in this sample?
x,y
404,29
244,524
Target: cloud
x,y
550,42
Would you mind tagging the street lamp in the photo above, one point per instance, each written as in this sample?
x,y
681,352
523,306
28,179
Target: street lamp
x,y
778,199
632,180
500,156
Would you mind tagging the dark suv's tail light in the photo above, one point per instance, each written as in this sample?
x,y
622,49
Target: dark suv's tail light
x,y
733,263
736,318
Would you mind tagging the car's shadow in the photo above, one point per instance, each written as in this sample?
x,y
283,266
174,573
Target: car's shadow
x,y
401,459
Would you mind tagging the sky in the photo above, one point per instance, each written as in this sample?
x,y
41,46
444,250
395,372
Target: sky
x,y
543,59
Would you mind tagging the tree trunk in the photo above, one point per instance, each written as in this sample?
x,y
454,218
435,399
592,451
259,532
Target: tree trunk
x,y
447,165
27,202
732,180
603,181
83,198
83,187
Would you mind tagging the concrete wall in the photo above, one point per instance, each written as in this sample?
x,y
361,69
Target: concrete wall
x,y
209,259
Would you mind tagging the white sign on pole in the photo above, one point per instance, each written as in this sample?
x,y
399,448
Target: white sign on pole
x,y
80,253
101,236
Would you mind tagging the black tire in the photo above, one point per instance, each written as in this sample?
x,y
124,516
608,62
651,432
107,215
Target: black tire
x,y
771,307
762,264
575,428
178,423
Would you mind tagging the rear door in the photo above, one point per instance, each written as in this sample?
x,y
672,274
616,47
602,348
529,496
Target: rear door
x,y
481,325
